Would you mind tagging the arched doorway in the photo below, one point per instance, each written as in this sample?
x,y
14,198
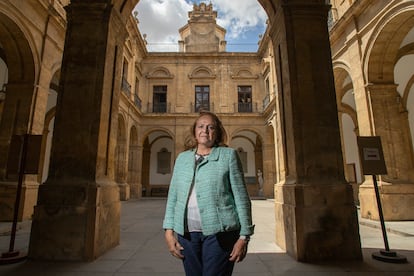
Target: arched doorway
x,y
249,147
157,161
18,79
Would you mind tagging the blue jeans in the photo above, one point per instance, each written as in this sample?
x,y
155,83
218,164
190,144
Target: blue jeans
x,y
208,255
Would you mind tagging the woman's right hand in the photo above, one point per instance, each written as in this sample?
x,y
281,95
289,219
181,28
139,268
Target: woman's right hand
x,y
173,245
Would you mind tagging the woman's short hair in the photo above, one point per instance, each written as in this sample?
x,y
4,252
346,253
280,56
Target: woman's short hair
x,y
220,134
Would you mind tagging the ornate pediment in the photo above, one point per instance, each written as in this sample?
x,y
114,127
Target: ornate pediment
x,y
159,73
202,72
244,73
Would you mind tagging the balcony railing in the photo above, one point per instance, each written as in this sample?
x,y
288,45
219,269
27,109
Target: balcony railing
x,y
159,107
266,101
126,87
244,107
205,107
138,102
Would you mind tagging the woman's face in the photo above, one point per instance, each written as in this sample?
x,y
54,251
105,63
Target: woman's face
x,y
205,131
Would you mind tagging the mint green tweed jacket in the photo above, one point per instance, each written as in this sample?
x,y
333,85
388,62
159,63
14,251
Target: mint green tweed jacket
x,y
222,196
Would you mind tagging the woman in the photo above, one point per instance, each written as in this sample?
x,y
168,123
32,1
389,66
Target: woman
x,y
208,214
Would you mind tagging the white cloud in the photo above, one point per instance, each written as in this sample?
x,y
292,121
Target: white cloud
x,y
161,19
239,16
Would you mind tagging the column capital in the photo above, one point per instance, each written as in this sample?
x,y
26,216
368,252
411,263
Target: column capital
x,y
382,88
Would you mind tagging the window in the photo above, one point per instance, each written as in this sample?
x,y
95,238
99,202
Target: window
x,y
125,69
126,87
244,98
137,100
267,87
202,98
159,103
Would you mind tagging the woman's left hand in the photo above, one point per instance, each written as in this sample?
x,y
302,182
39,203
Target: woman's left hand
x,y
239,251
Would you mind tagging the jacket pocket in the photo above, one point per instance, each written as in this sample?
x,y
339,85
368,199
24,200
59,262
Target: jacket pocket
x,y
228,218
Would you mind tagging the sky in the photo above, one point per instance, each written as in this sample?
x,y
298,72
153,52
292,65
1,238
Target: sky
x,y
160,21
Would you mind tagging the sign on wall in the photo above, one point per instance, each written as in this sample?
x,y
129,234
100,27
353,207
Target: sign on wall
x,y
371,155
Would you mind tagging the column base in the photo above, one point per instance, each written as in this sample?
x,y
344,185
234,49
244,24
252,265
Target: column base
x,y
397,201
124,191
75,221
136,190
317,222
28,200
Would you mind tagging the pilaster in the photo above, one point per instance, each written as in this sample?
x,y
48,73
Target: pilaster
x,y
390,121
136,182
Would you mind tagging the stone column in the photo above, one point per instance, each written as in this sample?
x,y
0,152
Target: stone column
x,y
136,183
77,216
316,215
121,173
390,119
268,151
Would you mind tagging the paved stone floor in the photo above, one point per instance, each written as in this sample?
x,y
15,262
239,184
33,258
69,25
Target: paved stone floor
x,y
142,251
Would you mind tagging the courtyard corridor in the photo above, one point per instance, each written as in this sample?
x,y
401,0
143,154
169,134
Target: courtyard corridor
x,y
142,251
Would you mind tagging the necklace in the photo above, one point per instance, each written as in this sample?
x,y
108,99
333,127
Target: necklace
x,y
199,158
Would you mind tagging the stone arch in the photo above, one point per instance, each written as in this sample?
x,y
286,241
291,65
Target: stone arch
x,y
249,144
405,50
309,164
348,123
408,88
157,161
404,78
384,45
343,88
408,101
202,72
159,73
125,7
384,72
382,56
20,58
48,126
21,66
243,73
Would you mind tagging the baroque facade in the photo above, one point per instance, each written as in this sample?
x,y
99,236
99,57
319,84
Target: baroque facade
x,y
113,116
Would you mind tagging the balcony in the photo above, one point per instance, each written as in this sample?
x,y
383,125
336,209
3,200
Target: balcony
x,y
159,108
266,101
137,102
244,107
126,87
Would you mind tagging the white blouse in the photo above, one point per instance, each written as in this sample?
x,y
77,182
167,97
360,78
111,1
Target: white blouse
x,y
193,212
